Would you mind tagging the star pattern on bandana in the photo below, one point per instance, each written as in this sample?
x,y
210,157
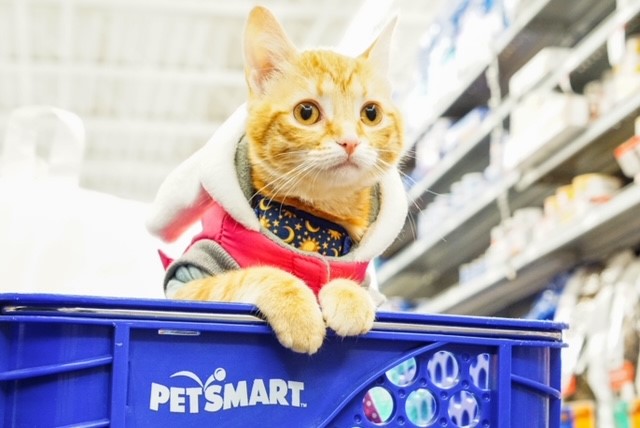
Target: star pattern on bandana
x,y
301,229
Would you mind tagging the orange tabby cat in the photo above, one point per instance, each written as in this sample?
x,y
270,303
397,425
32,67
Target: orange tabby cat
x,y
321,133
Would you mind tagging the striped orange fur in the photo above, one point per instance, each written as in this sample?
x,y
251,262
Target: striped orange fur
x,y
327,166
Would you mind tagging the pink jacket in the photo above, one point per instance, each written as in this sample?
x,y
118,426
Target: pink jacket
x,y
253,248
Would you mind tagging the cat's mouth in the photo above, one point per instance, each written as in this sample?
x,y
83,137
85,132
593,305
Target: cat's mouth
x,y
346,165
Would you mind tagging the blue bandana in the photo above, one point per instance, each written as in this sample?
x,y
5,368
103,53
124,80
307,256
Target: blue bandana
x,y
301,229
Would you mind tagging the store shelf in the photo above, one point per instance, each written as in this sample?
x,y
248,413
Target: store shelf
x,y
555,157
604,229
541,23
474,154
418,248
593,42
457,102
460,157
406,262
441,177
581,53
499,289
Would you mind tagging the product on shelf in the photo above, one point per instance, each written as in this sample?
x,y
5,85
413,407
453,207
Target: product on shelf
x,y
473,184
628,156
515,235
626,73
579,414
575,199
453,50
476,268
595,93
565,200
600,305
512,236
533,72
604,322
545,306
593,189
617,83
551,215
463,192
464,130
543,121
435,213
428,149
480,22
445,137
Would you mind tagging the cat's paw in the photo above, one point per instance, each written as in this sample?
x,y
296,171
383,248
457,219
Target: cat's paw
x,y
347,307
292,311
301,330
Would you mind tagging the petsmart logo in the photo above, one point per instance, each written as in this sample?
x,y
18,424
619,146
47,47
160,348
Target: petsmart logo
x,y
214,396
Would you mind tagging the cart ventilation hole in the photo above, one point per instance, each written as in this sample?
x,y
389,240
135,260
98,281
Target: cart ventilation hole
x,y
421,407
404,373
443,370
464,410
479,371
378,405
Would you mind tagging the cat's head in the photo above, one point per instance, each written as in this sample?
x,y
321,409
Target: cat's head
x,y
318,121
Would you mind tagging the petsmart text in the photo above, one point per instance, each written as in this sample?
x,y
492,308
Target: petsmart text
x,y
214,396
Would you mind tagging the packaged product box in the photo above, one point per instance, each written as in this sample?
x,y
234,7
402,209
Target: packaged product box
x,y
627,155
534,71
593,189
541,123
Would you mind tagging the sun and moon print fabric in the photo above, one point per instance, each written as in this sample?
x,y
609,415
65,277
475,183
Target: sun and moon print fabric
x,y
301,229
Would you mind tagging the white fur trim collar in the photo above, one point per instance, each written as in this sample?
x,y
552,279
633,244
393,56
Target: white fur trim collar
x,y
210,173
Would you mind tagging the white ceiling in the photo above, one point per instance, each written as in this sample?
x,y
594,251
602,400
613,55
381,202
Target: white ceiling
x,y
151,79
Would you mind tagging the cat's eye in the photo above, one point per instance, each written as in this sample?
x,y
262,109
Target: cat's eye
x,y
371,114
307,113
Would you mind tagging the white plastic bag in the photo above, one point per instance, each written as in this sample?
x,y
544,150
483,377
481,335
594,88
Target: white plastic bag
x,y
56,237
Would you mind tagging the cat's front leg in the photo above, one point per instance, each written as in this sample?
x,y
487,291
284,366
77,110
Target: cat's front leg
x,y
289,306
347,307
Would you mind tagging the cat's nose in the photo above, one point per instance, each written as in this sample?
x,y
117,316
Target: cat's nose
x,y
349,145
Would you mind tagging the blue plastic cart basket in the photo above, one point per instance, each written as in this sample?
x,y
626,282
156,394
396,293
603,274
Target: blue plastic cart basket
x,y
95,362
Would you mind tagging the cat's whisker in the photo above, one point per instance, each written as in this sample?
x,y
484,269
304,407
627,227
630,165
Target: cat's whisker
x,y
288,181
402,173
413,227
315,177
282,177
290,153
284,185
382,171
293,179
303,174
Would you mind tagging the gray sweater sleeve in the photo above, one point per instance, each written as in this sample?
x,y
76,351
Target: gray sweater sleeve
x,y
204,258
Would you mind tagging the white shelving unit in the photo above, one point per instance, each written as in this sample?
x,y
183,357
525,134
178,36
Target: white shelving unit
x,y
460,152
441,107
597,129
589,237
419,269
421,246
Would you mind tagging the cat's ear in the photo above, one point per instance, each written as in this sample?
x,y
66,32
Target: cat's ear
x,y
379,53
266,48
